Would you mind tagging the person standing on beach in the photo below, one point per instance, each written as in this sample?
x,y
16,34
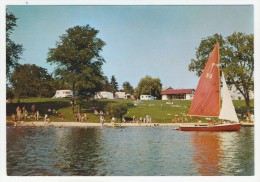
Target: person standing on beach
x,y
150,119
23,109
45,118
18,109
102,120
123,119
33,109
37,116
113,120
19,114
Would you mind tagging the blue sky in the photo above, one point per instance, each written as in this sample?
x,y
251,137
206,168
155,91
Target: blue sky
x,y
158,41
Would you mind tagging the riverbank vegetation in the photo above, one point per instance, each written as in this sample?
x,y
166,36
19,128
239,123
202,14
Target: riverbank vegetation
x,y
159,110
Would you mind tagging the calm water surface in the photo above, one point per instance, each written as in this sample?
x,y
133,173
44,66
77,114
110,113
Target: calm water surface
x,y
129,151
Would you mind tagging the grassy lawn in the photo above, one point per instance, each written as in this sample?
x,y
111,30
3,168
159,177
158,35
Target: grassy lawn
x,y
160,111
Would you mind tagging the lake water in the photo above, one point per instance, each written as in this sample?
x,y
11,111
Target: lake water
x,y
129,151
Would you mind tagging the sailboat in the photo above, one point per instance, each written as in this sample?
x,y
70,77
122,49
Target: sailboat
x,y
207,99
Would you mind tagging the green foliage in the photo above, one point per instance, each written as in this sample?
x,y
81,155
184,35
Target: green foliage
x,y
31,80
128,88
106,86
149,86
13,51
116,109
114,84
203,52
236,60
78,58
9,93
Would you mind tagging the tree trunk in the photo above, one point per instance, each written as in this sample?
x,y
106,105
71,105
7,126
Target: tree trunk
x,y
73,99
248,108
79,108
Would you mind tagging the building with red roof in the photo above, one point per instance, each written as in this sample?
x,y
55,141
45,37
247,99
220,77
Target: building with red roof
x,y
177,94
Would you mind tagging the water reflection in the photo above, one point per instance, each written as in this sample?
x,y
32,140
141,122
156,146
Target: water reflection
x,y
130,151
224,153
79,150
207,152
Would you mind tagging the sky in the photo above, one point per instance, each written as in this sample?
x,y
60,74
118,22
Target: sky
x,y
158,40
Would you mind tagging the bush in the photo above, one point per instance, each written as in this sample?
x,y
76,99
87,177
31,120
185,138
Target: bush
x,y
116,109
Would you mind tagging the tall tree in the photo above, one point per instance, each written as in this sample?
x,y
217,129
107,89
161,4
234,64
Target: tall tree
x,y
31,80
114,84
77,55
128,88
149,86
236,60
106,86
13,50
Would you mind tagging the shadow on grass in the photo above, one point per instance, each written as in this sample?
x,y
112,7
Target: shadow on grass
x,y
42,107
87,106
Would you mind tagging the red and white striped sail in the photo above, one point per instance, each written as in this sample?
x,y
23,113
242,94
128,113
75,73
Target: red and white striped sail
x,y
206,100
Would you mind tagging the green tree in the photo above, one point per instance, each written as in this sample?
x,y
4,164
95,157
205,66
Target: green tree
x,y
31,80
128,88
77,55
9,94
116,109
106,86
13,50
149,86
236,60
114,84
59,84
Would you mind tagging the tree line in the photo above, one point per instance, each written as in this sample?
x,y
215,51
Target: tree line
x,y
79,67
77,55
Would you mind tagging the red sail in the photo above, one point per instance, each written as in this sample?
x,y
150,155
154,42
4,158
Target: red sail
x,y
206,100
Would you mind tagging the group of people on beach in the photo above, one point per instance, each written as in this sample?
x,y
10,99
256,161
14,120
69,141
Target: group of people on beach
x,y
113,120
180,120
22,114
79,117
146,119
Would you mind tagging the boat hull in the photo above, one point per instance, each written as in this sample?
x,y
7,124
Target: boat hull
x,y
248,124
222,127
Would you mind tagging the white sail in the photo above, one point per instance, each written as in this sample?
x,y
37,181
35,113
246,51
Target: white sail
x,y
227,111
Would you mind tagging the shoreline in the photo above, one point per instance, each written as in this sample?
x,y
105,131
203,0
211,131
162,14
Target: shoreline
x,y
85,124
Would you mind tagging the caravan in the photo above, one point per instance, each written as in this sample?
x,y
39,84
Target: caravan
x,y
120,95
63,94
147,97
104,95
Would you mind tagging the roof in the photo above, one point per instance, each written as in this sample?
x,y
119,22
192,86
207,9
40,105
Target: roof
x,y
177,91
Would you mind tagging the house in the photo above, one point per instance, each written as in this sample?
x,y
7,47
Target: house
x,y
236,95
104,95
177,94
146,97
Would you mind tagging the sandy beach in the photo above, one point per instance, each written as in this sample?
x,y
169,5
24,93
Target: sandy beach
x,y
85,124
